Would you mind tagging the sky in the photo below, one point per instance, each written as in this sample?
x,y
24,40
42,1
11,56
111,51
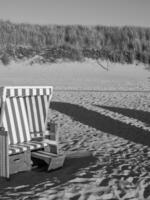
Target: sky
x,y
85,12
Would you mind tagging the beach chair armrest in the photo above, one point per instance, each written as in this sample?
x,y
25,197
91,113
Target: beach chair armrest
x,y
52,132
3,132
52,138
52,126
2,129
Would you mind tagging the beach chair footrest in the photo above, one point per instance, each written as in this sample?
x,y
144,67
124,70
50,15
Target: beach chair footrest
x,y
20,162
53,161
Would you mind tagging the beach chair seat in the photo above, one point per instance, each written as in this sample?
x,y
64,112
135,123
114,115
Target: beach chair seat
x,y
24,127
22,147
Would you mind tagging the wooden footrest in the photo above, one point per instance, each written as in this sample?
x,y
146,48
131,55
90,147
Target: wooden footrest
x,y
52,160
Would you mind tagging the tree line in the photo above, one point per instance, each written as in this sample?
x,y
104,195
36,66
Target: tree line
x,y
118,44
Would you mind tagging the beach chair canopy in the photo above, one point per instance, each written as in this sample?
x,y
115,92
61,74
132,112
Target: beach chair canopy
x,y
24,111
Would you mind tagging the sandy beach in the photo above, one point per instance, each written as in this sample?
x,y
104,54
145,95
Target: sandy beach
x,y
77,75
103,112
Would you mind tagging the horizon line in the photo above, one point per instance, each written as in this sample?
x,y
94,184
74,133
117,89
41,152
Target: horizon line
x,y
61,24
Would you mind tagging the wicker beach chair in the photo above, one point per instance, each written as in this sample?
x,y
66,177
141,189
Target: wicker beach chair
x,y
25,131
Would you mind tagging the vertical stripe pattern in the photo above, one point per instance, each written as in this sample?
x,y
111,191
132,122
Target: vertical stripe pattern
x,y
15,120
36,107
25,111
14,92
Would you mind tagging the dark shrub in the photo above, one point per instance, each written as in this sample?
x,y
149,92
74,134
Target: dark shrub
x,y
5,59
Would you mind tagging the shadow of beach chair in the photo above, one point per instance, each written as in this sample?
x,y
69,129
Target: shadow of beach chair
x,y
25,132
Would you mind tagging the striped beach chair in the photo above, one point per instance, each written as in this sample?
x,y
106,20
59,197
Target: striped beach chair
x,y
24,127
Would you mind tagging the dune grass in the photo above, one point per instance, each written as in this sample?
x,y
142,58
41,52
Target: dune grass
x,y
74,42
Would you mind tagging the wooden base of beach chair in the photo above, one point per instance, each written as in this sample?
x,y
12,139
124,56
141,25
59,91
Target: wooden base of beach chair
x,y
52,160
20,162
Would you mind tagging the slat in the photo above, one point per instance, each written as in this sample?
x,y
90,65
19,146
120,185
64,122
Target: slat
x,y
18,118
15,120
18,148
29,113
37,109
10,122
35,114
39,120
4,164
11,92
27,136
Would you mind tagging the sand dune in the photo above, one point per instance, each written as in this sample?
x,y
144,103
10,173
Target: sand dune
x,y
114,126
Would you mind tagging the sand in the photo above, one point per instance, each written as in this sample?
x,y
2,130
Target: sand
x,y
112,124
75,75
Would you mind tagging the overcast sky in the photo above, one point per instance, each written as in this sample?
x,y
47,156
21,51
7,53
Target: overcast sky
x,y
88,12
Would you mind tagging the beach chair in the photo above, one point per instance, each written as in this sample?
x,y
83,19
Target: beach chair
x,y
25,132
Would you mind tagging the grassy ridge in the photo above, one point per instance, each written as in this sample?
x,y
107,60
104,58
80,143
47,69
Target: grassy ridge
x,y
118,44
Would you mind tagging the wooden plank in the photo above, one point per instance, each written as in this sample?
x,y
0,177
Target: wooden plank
x,y
4,161
41,156
51,149
52,160
78,154
56,162
20,162
47,153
